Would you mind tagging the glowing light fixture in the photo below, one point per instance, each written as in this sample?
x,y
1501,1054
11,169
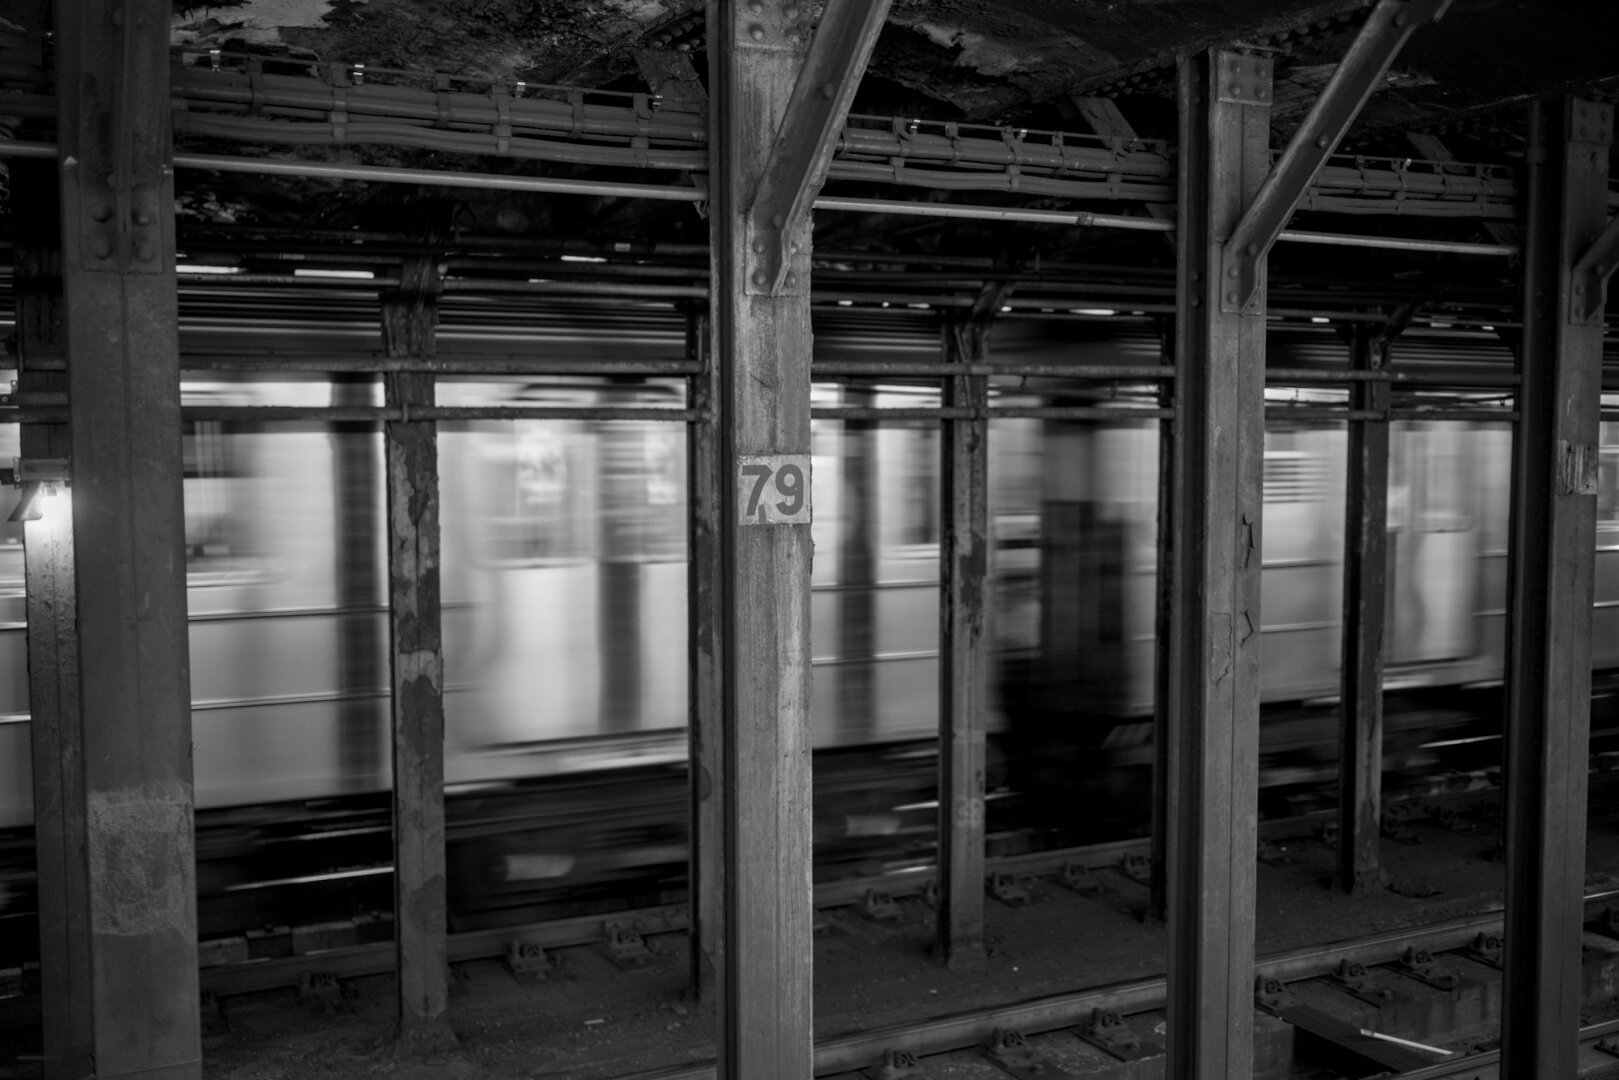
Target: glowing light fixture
x,y
39,479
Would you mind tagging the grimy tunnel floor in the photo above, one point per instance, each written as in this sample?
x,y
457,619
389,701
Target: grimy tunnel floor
x,y
591,1019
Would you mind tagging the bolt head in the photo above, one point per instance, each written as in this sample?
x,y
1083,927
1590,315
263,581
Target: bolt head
x,y
756,32
759,278
101,249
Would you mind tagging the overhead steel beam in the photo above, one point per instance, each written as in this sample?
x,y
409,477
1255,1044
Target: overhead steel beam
x,y
1551,574
1380,39
416,664
1218,441
808,131
123,352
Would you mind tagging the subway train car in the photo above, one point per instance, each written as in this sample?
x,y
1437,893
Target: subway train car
x,y
564,592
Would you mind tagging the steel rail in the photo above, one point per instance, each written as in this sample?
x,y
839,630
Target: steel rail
x,y
1152,372
1487,1065
339,414
965,1030
445,363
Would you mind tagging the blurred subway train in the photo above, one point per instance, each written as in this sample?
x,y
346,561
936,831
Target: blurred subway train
x,y
564,587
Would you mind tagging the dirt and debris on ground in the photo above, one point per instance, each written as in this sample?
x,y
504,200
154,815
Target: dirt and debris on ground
x,y
590,1019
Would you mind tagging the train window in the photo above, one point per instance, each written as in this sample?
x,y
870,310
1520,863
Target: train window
x,y
1296,476
550,490
1608,483
208,458
10,449
917,504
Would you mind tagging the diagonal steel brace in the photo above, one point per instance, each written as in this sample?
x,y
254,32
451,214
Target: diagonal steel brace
x,y
803,147
1360,72
1589,295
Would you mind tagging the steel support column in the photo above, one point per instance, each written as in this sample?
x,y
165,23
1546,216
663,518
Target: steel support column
x,y
416,649
1365,585
705,687
963,664
53,646
129,536
771,137
1212,827
1548,686
858,542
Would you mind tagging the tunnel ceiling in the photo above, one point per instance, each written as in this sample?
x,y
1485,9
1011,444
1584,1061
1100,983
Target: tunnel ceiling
x,y
1016,63
1013,62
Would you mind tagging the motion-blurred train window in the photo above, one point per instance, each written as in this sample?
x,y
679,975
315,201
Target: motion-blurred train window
x,y
10,450
208,459
1296,476
1608,481
567,490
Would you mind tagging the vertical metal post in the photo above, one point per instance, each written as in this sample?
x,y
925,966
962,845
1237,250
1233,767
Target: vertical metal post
x,y
763,351
1360,746
1163,651
857,573
416,646
1212,827
53,646
963,664
705,684
129,536
1548,684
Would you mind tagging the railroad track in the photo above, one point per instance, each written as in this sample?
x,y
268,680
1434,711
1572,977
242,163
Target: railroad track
x,y
283,956
1080,1030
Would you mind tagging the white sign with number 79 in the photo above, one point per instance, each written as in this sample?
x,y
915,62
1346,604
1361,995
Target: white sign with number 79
x,y
773,489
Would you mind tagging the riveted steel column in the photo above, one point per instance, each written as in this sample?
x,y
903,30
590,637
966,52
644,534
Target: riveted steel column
x,y
129,535
1360,747
1548,690
705,685
963,664
1212,827
416,646
763,352
1163,629
857,572
772,130
53,645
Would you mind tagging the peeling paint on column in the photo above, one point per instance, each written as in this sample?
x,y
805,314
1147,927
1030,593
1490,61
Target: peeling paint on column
x,y
139,861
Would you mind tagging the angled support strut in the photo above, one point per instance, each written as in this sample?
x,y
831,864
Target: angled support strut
x,y
803,146
1358,74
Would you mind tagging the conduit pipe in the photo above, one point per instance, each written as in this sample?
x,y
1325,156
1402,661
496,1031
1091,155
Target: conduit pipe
x,y
547,185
